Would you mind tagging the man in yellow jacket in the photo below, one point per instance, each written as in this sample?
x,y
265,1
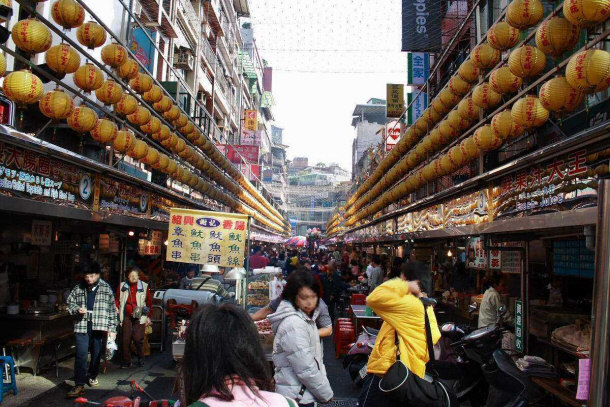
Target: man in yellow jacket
x,y
397,303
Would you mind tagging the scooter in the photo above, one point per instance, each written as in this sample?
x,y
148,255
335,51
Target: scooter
x,y
358,355
508,386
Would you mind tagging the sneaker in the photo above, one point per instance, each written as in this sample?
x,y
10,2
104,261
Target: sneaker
x,y
94,382
125,365
77,391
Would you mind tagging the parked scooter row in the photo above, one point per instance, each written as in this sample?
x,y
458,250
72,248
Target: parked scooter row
x,y
472,359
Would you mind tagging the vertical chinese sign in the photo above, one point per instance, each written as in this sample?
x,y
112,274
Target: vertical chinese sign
x,y
251,120
417,105
201,237
418,68
395,94
519,326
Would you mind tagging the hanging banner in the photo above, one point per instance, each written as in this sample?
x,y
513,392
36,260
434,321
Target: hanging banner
x,y
418,68
142,48
202,237
393,133
417,106
421,25
235,152
395,95
251,137
251,120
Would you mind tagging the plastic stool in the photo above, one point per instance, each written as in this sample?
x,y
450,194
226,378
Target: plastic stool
x,y
358,299
12,386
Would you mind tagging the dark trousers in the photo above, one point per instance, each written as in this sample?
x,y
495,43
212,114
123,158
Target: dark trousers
x,y
85,343
307,405
132,330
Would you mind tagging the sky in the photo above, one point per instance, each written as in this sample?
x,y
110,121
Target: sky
x,y
327,56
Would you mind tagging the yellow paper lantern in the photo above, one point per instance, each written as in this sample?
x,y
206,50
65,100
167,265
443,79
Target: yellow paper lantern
x,y
170,142
163,105
529,112
503,81
152,156
153,126
485,97
140,117
180,146
181,120
556,36
503,36
447,132
141,83
56,104
558,96
187,128
109,93
195,135
31,36
523,14
431,117
163,133
162,163
469,110
104,131
62,59
2,64
428,172
421,125
439,106
484,56
586,13
526,61
469,149
186,153
486,139
458,86
82,119
68,13
126,105
129,69
446,166
456,157
449,99
436,139
88,77
173,113
124,141
154,95
456,121
23,87
114,55
504,126
91,35
171,166
139,150
469,72
589,71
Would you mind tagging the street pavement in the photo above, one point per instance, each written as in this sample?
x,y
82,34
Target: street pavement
x,y
156,377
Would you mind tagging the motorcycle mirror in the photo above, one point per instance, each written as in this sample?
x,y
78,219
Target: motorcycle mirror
x,y
448,327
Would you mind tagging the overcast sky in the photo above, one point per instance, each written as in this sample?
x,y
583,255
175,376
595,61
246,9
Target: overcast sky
x,y
327,56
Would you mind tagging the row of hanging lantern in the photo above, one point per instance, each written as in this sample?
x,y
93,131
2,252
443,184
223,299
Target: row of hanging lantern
x,y
23,87
587,71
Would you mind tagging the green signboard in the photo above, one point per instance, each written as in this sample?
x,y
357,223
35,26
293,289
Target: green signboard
x,y
519,326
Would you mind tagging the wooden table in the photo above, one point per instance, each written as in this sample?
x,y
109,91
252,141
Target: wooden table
x,y
553,387
361,319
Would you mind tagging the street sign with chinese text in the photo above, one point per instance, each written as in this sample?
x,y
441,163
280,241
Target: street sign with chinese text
x,y
418,68
519,325
151,247
417,106
251,120
201,237
395,105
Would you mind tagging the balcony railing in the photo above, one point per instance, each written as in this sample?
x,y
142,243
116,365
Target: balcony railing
x,y
208,53
222,83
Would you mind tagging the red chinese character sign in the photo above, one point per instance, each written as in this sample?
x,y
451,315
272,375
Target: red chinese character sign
x,y
201,237
564,183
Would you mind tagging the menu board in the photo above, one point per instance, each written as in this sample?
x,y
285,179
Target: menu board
x,y
202,237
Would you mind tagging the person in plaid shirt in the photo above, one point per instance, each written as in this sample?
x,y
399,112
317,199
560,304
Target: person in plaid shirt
x,y
95,317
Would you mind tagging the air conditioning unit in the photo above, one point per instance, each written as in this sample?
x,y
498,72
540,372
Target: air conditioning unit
x,y
184,60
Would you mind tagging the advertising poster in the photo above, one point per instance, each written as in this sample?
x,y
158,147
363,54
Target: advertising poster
x,y
251,120
421,25
201,237
143,49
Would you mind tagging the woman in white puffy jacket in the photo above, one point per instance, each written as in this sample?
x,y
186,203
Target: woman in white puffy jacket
x,y
297,352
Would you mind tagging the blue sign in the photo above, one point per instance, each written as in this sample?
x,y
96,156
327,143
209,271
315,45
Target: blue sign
x,y
143,49
208,222
418,68
417,105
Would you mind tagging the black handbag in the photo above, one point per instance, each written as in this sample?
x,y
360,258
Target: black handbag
x,y
406,388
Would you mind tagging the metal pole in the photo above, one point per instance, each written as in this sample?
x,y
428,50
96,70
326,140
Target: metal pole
x,y
600,319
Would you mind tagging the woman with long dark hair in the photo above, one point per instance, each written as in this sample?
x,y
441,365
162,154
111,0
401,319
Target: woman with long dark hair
x,y
297,353
224,363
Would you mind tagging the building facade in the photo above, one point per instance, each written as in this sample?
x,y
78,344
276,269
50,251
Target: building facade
x,y
368,119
